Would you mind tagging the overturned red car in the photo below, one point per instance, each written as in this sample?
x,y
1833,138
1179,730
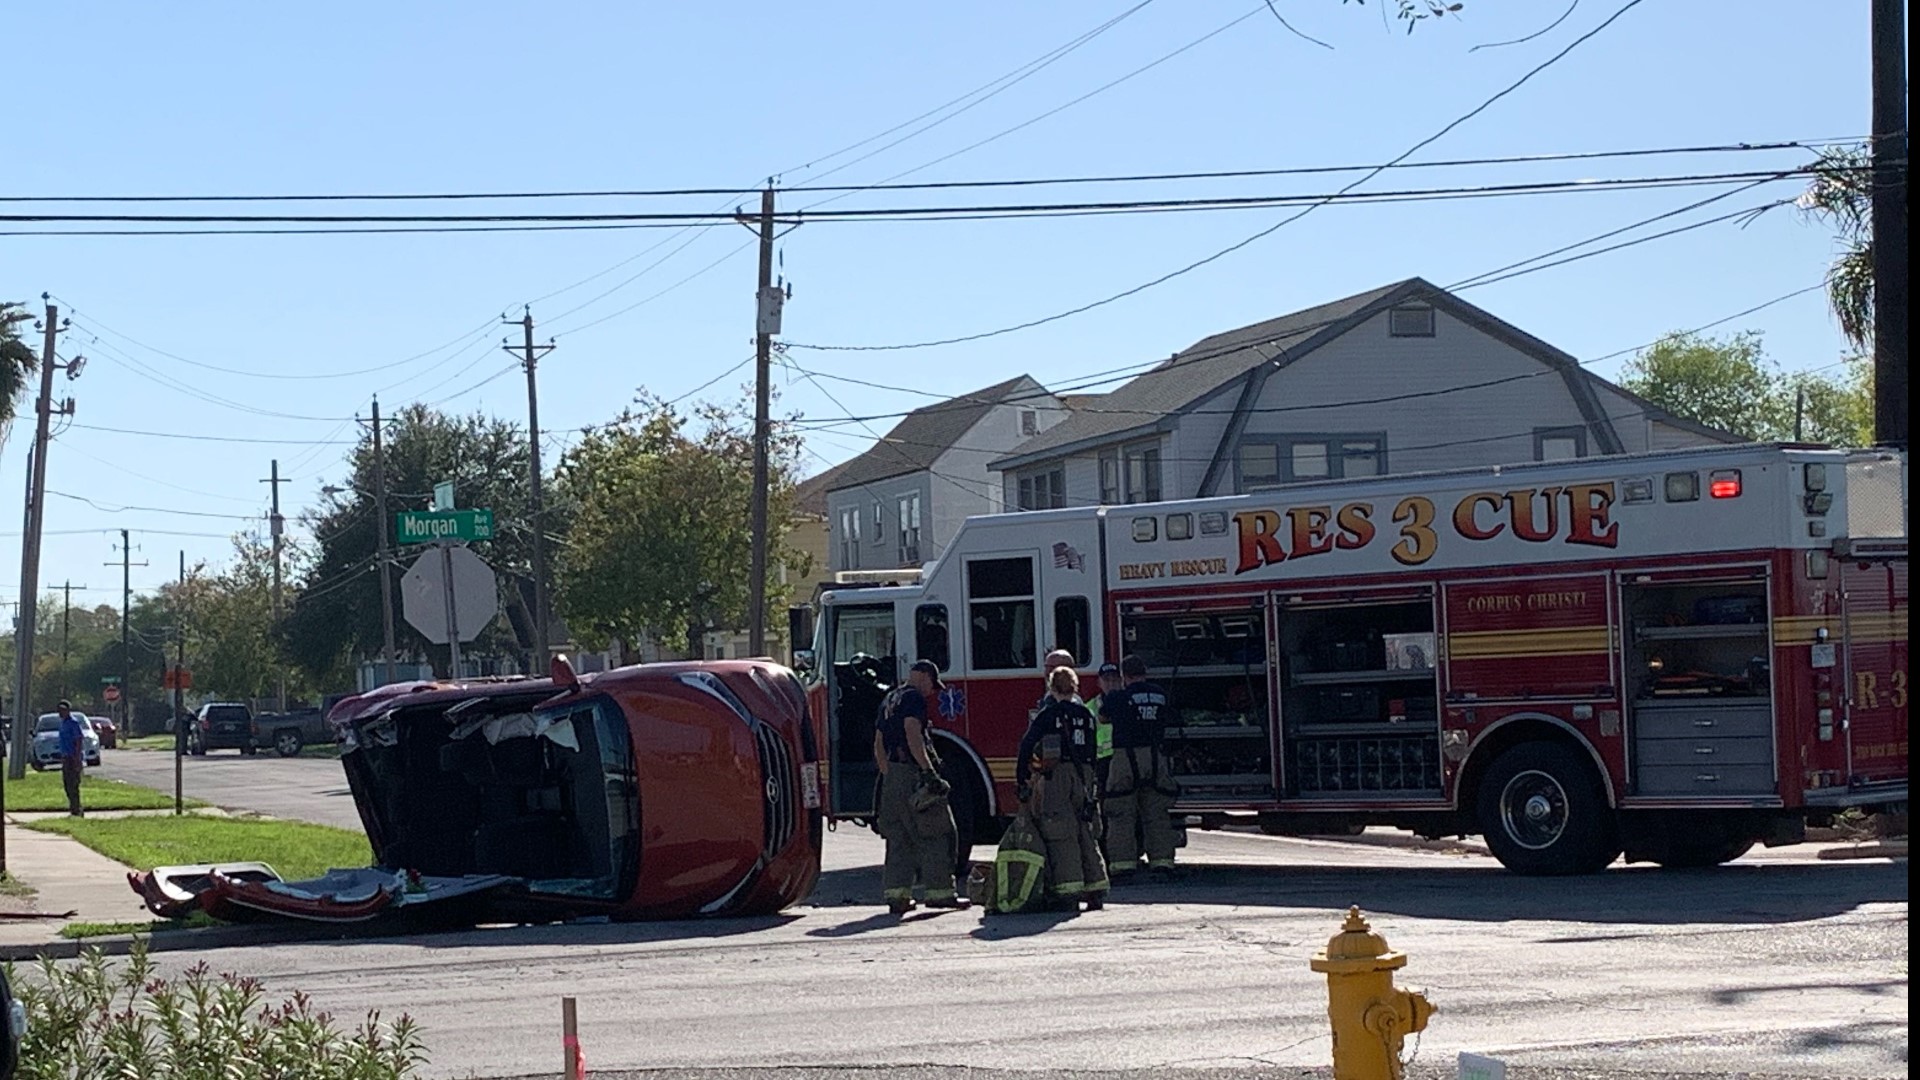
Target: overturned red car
x,y
656,791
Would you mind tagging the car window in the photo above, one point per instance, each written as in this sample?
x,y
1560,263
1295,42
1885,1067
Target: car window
x,y
226,712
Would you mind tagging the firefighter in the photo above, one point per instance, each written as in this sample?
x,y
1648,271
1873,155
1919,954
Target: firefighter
x,y
1059,745
1103,727
1140,787
915,817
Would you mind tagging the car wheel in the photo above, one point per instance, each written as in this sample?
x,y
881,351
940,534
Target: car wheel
x,y
1543,811
249,750
287,743
37,767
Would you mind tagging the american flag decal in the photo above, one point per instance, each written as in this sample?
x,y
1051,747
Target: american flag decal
x,y
1066,558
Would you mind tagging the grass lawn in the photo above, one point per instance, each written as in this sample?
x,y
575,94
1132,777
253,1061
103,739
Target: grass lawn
x,y
80,930
14,887
296,849
147,742
43,791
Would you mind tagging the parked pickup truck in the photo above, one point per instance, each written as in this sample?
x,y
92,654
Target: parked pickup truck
x,y
288,732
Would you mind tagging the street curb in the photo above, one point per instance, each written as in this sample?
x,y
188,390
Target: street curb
x,y
1886,849
213,937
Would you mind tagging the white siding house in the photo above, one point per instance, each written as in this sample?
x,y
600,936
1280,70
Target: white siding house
x,y
1405,378
899,503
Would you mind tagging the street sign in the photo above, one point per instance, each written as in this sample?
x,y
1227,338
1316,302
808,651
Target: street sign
x,y
176,678
111,693
424,601
443,496
429,527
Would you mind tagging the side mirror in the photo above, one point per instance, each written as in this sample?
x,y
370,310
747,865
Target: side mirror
x,y
803,660
13,1025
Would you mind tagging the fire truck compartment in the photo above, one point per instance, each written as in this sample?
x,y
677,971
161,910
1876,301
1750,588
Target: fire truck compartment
x,y
496,785
1213,665
1700,684
1359,703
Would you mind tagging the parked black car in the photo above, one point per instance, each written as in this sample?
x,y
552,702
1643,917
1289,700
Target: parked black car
x,y
288,732
223,725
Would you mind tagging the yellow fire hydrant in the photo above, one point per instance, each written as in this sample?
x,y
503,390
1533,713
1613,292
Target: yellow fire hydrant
x,y
1371,1017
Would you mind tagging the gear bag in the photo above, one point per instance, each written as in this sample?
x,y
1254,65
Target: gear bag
x,y
1019,869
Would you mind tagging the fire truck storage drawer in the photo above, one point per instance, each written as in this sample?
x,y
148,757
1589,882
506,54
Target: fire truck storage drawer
x,y
1705,780
1657,752
1722,719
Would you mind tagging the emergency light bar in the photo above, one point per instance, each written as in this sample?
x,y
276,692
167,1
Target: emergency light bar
x,y
904,576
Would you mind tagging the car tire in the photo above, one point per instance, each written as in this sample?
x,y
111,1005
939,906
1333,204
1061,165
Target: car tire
x,y
1543,811
249,750
287,743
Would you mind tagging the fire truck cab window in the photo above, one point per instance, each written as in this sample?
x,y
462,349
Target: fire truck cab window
x,y
1002,635
930,635
864,668
1359,700
1073,628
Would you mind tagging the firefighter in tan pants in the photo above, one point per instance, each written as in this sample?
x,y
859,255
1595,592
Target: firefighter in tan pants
x,y
1061,739
915,817
1140,787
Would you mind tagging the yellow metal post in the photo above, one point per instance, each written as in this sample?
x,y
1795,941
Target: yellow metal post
x,y
1371,1017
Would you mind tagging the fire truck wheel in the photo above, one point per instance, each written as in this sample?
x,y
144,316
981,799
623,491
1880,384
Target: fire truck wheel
x,y
1543,811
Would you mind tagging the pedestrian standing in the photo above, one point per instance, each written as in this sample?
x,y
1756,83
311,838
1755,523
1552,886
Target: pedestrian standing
x,y
915,818
1103,728
73,756
1140,786
1054,772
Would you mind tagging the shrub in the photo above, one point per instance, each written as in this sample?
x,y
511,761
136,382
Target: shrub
x,y
91,1020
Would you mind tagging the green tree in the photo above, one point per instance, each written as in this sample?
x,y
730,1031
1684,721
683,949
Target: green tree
x,y
335,621
1730,383
660,542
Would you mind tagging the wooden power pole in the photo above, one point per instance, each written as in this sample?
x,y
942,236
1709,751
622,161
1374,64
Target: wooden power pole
x,y
276,526
529,355
767,323
1889,207
383,529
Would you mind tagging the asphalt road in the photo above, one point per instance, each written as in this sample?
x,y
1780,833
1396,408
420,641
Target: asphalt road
x,y
302,788
1779,965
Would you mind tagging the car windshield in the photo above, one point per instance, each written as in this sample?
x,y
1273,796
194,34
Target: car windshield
x,y
50,722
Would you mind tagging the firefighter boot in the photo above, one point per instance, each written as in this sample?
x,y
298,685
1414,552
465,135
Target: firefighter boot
x,y
1371,1017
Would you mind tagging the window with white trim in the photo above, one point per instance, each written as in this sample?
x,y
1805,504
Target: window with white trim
x,y
1142,472
1410,320
879,523
1266,462
909,529
1044,490
850,538
1559,443
1110,479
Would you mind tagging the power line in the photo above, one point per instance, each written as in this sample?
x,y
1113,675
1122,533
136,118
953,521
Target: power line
x,y
195,437
940,185
1263,233
152,509
978,211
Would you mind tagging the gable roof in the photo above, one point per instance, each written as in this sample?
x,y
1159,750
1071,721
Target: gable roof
x,y
810,495
1149,401
1154,400
918,440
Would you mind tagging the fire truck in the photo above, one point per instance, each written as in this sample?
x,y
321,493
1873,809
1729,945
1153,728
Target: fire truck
x,y
1671,656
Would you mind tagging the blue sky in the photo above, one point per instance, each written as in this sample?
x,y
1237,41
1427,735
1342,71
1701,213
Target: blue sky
x,y
364,97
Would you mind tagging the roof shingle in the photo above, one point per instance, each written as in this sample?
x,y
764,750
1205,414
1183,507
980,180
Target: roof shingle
x,y
918,440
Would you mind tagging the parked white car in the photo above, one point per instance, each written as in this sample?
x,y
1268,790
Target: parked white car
x,y
46,741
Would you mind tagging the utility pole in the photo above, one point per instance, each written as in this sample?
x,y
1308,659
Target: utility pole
x,y
1799,414
179,668
30,544
383,527
766,325
126,626
275,527
1890,222
66,631
530,358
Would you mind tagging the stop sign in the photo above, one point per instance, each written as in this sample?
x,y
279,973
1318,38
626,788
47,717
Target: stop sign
x,y
111,693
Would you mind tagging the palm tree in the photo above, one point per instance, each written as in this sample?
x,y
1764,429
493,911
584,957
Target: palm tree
x,y
18,363
1842,196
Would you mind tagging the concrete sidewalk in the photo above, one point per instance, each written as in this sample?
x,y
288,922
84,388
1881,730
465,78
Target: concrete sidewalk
x,y
66,876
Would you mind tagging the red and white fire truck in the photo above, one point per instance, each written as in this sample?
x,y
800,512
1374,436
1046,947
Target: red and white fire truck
x,y
1674,655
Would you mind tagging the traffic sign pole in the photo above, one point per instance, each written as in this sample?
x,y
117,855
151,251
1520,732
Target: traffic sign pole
x,y
453,623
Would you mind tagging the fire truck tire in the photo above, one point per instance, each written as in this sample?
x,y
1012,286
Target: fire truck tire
x,y
1543,811
1680,854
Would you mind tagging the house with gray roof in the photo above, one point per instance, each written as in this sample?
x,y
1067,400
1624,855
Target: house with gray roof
x,y
899,503
1403,378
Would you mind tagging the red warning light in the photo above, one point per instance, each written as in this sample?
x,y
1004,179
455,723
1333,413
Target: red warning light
x,y
1724,484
